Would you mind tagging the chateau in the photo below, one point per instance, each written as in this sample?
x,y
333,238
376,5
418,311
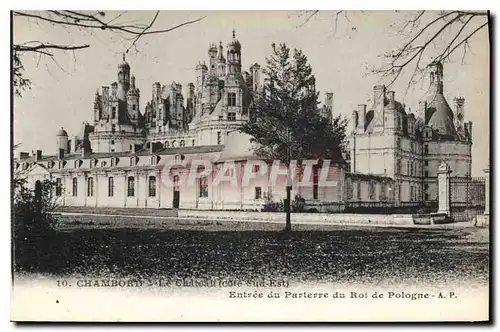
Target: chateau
x,y
126,156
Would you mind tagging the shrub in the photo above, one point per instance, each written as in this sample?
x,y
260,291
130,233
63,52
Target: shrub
x,y
298,204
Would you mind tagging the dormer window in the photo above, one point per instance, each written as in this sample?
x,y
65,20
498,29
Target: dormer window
x,y
93,162
103,163
114,161
154,160
77,164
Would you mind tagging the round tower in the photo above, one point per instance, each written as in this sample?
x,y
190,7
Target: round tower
x,y
62,140
234,55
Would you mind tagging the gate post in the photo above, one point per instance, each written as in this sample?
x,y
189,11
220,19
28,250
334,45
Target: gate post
x,y
487,191
444,189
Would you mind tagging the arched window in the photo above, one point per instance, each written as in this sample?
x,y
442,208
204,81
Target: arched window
x,y
111,186
131,186
132,161
192,142
152,186
154,160
75,187
90,187
174,143
182,144
167,144
58,187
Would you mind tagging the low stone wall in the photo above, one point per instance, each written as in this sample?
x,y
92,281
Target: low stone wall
x,y
312,218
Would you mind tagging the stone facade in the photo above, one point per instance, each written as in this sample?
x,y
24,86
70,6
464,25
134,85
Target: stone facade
x,y
388,140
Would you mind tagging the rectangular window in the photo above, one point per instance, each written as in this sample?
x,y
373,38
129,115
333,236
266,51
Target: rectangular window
x,y
112,141
113,112
111,187
426,174
58,187
426,149
426,191
219,138
231,116
315,183
90,187
358,191
131,187
113,128
411,169
133,108
231,99
75,187
152,186
203,187
426,163
258,192
192,142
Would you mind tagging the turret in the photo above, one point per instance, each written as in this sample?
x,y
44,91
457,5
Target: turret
x,y
123,79
234,55
436,77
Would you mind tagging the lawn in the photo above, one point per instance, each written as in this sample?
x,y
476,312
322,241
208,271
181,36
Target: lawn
x,y
334,254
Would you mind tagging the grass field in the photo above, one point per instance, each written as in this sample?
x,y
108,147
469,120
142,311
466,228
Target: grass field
x,y
330,254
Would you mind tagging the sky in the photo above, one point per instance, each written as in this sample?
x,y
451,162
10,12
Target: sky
x,y
340,52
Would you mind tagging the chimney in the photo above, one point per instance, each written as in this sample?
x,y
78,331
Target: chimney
x,y
470,130
354,120
361,116
24,155
86,150
38,155
378,93
60,154
422,107
390,96
459,112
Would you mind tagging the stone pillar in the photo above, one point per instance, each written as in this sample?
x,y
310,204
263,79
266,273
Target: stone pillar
x,y
444,189
487,191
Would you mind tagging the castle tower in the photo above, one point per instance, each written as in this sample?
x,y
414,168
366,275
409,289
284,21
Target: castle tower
x,y
234,55
221,62
123,79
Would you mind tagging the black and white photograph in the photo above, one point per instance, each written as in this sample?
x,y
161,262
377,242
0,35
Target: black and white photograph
x,y
250,165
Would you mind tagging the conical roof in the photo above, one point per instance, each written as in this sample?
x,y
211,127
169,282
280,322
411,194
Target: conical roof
x,y
442,116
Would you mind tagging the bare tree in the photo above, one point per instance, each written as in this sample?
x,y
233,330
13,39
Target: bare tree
x,y
89,21
427,37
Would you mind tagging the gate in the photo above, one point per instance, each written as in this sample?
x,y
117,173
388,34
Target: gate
x,y
467,197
